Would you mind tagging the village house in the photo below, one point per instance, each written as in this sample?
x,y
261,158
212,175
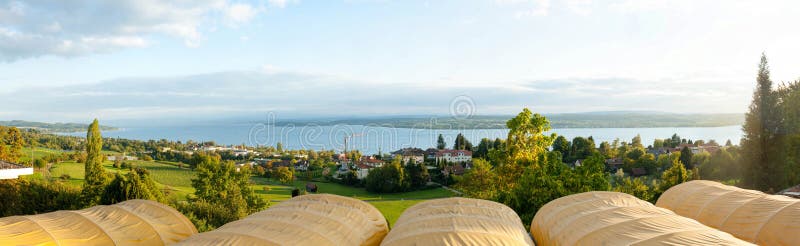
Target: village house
x,y
614,163
454,156
430,153
455,169
416,155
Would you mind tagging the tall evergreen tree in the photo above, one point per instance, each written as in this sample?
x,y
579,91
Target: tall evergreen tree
x,y
760,140
440,144
95,178
686,158
462,143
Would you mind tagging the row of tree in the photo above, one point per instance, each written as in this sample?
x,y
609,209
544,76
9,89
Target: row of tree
x,y
396,177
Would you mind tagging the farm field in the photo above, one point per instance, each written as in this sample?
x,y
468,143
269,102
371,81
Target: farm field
x,y
177,182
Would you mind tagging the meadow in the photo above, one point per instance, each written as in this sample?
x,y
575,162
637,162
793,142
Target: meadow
x,y
176,181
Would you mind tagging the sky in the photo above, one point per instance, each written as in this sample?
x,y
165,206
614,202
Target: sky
x,y
143,59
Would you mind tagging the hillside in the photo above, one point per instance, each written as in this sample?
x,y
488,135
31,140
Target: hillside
x,y
52,127
621,119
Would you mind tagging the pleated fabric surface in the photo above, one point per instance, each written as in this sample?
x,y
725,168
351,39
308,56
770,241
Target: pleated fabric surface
x,y
611,218
458,221
317,220
133,222
747,214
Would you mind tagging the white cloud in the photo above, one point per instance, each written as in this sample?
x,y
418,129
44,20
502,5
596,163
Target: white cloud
x,y
529,8
580,7
251,92
278,3
240,13
73,28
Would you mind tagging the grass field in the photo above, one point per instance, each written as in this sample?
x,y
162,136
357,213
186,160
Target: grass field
x,y
177,181
392,209
37,152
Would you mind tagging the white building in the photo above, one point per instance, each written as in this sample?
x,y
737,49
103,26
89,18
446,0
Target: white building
x,y
454,156
13,171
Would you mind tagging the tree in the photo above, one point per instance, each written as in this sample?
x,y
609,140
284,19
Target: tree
x,y
417,174
721,166
551,179
221,184
279,147
526,140
658,143
462,143
15,142
760,134
675,140
284,175
479,181
388,178
39,163
789,148
636,142
581,149
686,158
199,158
95,177
482,151
136,184
673,176
3,151
562,145
440,144
636,187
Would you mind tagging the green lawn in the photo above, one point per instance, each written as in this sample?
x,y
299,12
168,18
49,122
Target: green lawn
x,y
283,192
392,209
37,152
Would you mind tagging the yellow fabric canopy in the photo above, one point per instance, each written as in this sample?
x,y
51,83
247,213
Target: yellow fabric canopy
x,y
133,222
458,221
611,218
747,214
318,220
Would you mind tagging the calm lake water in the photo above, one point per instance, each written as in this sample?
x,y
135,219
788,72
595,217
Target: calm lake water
x,y
371,139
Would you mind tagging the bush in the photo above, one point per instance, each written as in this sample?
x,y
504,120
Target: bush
x,y
39,163
22,196
204,215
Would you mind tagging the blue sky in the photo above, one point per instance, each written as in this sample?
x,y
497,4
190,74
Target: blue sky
x,y
73,60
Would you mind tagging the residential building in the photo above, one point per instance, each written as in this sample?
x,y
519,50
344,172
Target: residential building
x,y
454,156
416,155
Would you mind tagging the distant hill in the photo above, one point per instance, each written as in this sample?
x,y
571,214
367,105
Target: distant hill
x,y
52,127
614,119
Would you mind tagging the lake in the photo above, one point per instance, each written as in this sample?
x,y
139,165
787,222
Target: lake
x,y
372,139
